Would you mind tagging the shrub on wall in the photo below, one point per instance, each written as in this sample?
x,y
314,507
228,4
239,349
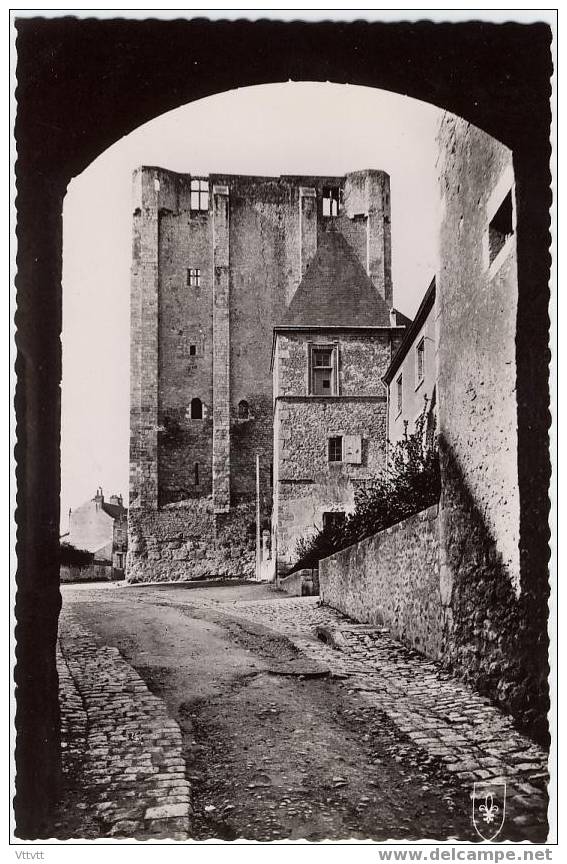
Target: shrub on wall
x,y
409,483
70,556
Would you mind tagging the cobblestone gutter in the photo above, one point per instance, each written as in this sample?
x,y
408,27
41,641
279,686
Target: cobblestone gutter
x,y
123,769
445,717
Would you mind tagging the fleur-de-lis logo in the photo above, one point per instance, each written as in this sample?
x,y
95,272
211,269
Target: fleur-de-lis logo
x,y
489,809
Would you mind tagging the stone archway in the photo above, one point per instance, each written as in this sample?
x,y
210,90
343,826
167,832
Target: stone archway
x,y
82,84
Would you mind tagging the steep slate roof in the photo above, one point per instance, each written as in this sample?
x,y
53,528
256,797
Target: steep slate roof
x,y
336,291
425,308
401,319
114,510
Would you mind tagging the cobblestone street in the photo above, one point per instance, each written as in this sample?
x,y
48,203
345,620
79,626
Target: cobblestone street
x,y
278,718
472,738
121,752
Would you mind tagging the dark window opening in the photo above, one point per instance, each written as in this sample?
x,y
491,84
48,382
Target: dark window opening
x,y
333,520
194,277
192,350
200,195
243,409
196,473
331,200
336,448
500,228
420,358
196,409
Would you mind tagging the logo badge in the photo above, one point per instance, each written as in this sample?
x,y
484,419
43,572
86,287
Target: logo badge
x,y
489,809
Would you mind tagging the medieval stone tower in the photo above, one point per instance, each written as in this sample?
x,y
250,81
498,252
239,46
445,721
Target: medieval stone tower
x,y
217,261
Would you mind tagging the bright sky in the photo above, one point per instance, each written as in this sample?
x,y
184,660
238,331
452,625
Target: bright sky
x,y
294,128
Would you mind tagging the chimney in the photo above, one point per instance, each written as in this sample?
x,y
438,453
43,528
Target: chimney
x,y
367,195
99,497
117,500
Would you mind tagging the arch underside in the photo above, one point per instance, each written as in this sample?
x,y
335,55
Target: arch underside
x,y
83,84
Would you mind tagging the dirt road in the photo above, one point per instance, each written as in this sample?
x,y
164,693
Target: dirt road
x,y
275,746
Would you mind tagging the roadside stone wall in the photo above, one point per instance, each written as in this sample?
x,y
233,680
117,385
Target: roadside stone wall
x,y
392,579
86,573
188,541
476,627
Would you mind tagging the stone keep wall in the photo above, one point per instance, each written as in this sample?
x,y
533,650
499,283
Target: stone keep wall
x,y
188,541
185,351
392,579
252,246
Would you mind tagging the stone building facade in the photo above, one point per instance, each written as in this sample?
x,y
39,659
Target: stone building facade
x,y
468,601
101,528
217,261
411,377
496,609
330,352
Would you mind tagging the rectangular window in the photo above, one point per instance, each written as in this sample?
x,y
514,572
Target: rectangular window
x,y
500,228
192,350
420,361
331,199
323,377
333,520
399,394
200,195
336,448
194,277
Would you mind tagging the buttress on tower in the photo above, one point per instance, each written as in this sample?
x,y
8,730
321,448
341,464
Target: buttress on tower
x,y
217,261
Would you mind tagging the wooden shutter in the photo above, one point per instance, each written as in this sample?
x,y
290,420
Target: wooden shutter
x,y
353,449
337,391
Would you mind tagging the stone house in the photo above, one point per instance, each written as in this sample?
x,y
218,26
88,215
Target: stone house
x,y
101,528
456,581
329,355
217,262
411,376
